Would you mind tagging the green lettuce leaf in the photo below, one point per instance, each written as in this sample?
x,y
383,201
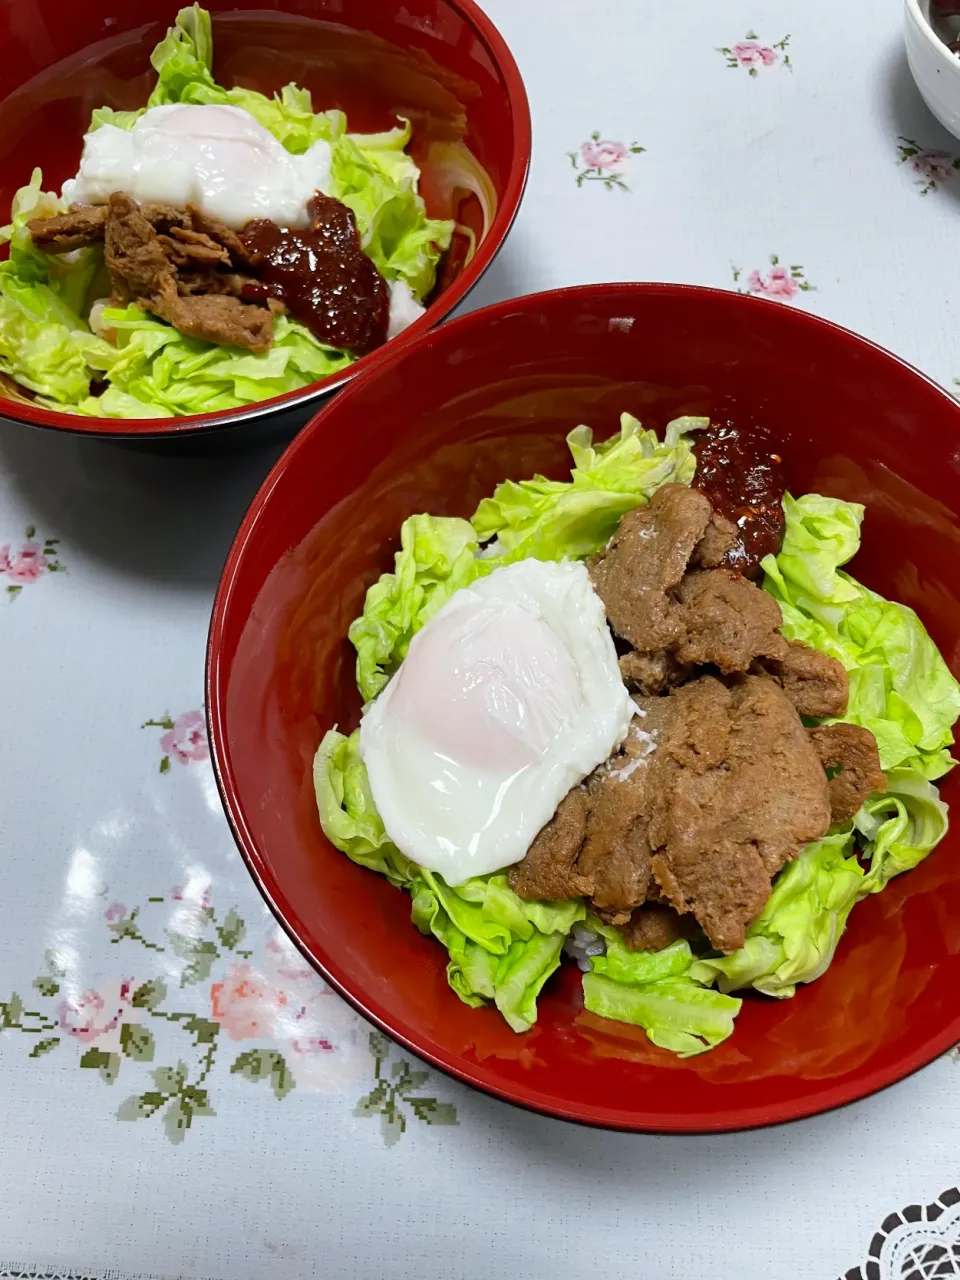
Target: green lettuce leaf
x,y
677,1013
348,815
501,948
900,686
153,367
183,60
437,557
45,345
796,934
556,519
656,990
548,519
899,828
379,183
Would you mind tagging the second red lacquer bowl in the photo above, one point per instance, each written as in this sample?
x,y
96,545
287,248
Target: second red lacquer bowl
x,y
440,63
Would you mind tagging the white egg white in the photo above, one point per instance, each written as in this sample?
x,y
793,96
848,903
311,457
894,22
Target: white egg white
x,y
507,698
219,159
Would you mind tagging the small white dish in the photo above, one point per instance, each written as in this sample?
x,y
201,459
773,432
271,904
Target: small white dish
x,y
934,68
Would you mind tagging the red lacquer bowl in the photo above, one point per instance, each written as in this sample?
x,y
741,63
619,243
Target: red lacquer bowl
x,y
440,63
491,396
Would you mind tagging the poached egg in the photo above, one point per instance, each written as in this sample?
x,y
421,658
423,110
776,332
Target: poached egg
x,y
219,159
508,697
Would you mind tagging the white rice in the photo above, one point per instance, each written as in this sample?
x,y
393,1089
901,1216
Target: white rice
x,y
583,942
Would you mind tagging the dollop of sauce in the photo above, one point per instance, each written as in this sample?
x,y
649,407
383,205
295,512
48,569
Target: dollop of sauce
x,y
743,474
322,276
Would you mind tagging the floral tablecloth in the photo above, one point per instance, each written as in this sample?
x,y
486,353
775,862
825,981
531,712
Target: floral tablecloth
x,y
181,1096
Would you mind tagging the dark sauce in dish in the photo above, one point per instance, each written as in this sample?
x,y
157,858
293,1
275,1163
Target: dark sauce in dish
x,y
322,276
745,478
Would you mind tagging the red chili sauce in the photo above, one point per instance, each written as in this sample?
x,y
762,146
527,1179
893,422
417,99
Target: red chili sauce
x,y
745,478
322,276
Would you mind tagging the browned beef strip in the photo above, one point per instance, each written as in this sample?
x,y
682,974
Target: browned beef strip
x,y
141,265
74,230
548,871
215,229
815,683
645,561
651,673
216,318
616,852
133,252
185,247
191,281
654,926
727,621
164,217
849,754
736,790
86,224
719,539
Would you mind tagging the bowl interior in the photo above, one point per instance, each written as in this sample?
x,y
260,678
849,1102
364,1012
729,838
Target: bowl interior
x,y
440,63
492,396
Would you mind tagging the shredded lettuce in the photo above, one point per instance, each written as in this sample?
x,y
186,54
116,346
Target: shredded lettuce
x,y
545,519
379,183
794,937
347,813
45,345
151,363
899,828
150,369
900,687
437,557
553,519
657,990
501,948
677,1013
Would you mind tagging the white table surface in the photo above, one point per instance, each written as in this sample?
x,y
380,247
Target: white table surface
x,y
802,160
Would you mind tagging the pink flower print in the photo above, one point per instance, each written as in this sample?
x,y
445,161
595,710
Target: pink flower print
x,y
286,964
204,902
330,1049
187,740
603,161
605,155
245,1005
780,282
931,166
96,1017
116,911
751,54
777,284
30,562
327,1045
